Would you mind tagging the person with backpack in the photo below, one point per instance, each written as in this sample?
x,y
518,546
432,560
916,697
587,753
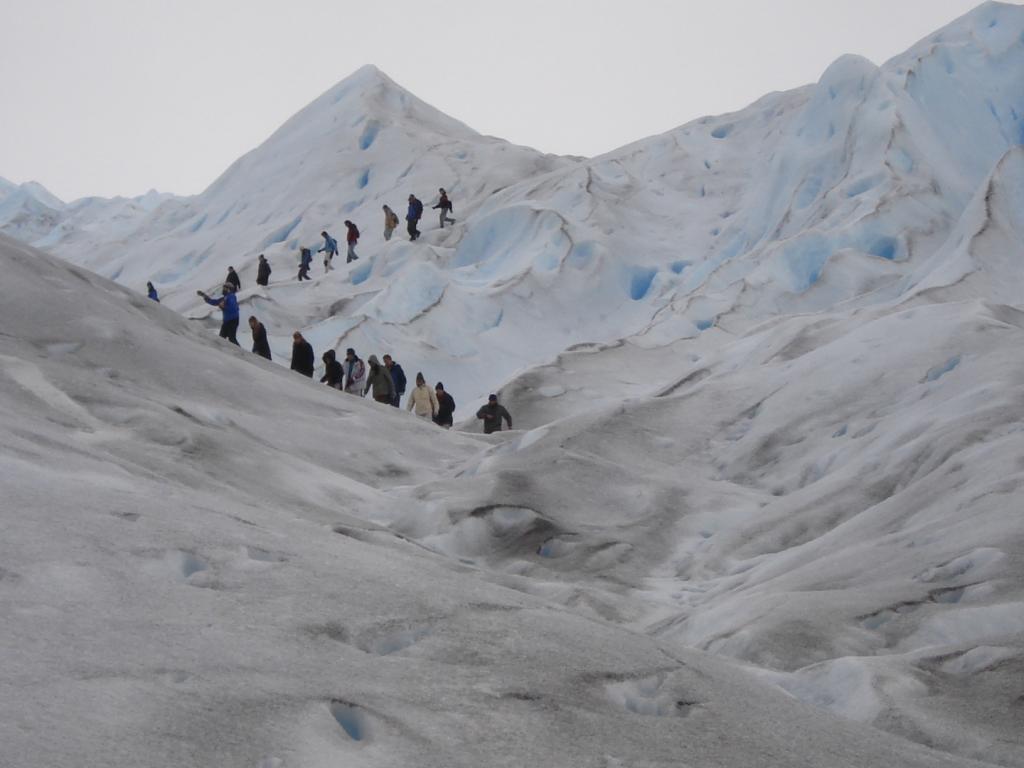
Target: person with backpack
x,y
351,237
233,279
333,374
379,382
263,271
228,304
306,259
302,355
397,378
445,407
446,207
422,400
492,414
151,292
390,222
260,345
329,250
413,216
355,373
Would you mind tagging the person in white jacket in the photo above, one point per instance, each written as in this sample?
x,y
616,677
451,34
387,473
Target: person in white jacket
x,y
422,400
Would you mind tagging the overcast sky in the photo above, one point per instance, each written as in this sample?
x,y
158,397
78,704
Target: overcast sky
x,y
106,97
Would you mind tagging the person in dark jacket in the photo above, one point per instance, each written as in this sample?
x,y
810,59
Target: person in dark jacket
x,y
413,216
446,207
260,345
351,237
329,250
263,271
445,407
151,292
305,259
379,382
228,304
492,414
397,378
333,372
233,279
302,355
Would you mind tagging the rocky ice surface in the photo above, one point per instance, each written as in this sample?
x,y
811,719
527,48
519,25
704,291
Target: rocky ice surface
x,y
762,505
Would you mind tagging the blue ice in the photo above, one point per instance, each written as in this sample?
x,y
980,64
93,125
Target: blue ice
x,y
369,134
281,234
640,282
350,719
361,273
936,373
364,179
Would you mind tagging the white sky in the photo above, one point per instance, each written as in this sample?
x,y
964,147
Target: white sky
x,y
117,96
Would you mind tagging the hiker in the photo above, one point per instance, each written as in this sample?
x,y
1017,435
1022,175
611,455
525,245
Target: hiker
x,y
302,355
329,250
333,374
233,279
228,304
397,378
355,373
445,407
151,292
446,207
379,381
422,400
413,216
351,237
263,271
492,414
306,257
390,222
260,345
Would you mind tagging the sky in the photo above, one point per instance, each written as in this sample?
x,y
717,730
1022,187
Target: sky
x,y
108,97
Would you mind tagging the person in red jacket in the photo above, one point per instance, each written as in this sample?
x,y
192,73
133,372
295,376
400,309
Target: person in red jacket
x,y
351,238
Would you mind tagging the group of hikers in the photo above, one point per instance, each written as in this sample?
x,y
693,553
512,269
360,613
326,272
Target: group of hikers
x,y
385,380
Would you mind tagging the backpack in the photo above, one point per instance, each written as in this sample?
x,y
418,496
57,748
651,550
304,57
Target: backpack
x,y
355,231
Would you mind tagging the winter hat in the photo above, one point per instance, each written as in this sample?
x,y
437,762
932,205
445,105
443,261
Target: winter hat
x,y
350,351
328,355
492,398
372,360
439,385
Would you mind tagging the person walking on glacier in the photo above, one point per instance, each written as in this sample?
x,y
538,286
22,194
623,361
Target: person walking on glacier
x,y
355,373
445,407
305,261
390,222
397,378
333,373
413,216
379,382
228,304
446,207
151,292
260,345
329,250
302,355
263,271
233,279
422,400
351,238
492,414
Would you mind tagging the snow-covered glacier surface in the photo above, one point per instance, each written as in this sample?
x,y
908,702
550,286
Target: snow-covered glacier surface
x,y
762,505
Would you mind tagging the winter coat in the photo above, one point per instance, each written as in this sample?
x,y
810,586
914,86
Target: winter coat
x,y
390,219
355,375
307,257
379,381
260,345
415,212
333,374
445,410
492,414
228,304
445,204
263,273
302,358
330,245
398,378
232,278
153,295
423,401
352,237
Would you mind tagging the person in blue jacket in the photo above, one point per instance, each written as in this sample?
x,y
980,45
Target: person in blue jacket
x,y
413,216
329,250
152,292
228,304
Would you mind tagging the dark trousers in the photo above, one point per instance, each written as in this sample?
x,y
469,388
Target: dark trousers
x,y
304,272
397,399
413,230
228,329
